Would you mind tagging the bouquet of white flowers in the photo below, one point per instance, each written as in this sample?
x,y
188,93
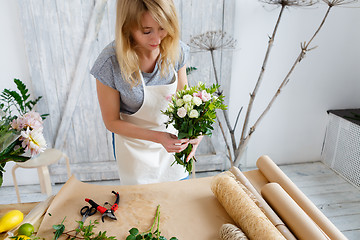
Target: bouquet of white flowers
x,y
192,112
19,134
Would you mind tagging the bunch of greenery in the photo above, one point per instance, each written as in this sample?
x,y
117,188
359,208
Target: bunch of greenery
x,y
14,104
85,232
150,234
192,111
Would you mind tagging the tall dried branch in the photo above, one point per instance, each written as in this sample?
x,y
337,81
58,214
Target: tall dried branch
x,y
259,80
212,41
304,49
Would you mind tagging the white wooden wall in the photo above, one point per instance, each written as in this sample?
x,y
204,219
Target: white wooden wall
x,y
62,43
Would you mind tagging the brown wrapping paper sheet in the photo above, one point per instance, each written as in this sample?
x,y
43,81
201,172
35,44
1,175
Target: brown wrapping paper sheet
x,y
247,215
274,174
269,212
294,217
188,209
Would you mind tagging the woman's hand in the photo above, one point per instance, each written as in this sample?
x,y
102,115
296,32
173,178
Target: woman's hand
x,y
171,143
195,142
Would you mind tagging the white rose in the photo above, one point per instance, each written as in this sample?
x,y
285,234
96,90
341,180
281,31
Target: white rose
x,y
181,112
197,101
179,102
194,114
187,98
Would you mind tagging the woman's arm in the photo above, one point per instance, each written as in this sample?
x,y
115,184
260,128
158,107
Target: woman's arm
x,y
182,78
109,100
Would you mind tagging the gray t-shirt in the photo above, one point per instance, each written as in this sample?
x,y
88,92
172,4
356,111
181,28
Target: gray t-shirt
x,y
106,69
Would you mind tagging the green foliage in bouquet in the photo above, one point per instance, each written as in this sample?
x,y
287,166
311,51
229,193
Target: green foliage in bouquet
x,y
18,100
18,134
192,111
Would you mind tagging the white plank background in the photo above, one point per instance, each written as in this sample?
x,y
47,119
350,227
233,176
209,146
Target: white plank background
x,y
62,43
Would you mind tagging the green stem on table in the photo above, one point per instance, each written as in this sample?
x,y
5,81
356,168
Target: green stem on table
x,y
158,224
157,219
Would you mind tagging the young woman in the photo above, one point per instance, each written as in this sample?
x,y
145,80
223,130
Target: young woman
x,y
134,75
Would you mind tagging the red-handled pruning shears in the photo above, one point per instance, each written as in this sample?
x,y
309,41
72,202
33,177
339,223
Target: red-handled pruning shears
x,y
104,211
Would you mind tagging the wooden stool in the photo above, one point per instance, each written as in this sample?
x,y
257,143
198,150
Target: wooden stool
x,y
41,162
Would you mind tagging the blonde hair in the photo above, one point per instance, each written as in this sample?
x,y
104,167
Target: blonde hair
x,y
128,17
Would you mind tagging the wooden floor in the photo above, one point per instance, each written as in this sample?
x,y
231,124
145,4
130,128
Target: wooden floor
x,y
334,196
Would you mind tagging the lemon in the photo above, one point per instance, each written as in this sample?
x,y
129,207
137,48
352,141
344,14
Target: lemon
x,y
22,237
10,220
26,229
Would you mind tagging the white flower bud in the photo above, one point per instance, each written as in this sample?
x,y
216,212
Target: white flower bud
x,y
170,107
188,107
179,102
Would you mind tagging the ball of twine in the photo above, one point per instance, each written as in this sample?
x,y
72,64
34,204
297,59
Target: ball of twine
x,y
231,232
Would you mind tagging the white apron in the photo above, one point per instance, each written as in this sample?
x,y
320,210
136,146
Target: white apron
x,y
141,161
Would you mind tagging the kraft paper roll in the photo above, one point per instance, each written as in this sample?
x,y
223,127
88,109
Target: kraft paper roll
x,y
251,220
231,232
294,217
256,178
273,217
274,174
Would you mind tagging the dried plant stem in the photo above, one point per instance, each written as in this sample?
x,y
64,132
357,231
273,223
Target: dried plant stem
x,y
224,112
226,117
304,50
258,83
213,63
226,143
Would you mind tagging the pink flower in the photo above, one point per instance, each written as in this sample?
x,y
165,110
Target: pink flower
x,y
203,95
170,97
197,94
31,119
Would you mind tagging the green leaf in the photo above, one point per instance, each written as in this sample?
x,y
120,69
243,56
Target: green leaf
x,y
59,229
182,135
190,69
134,231
1,178
22,88
131,237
